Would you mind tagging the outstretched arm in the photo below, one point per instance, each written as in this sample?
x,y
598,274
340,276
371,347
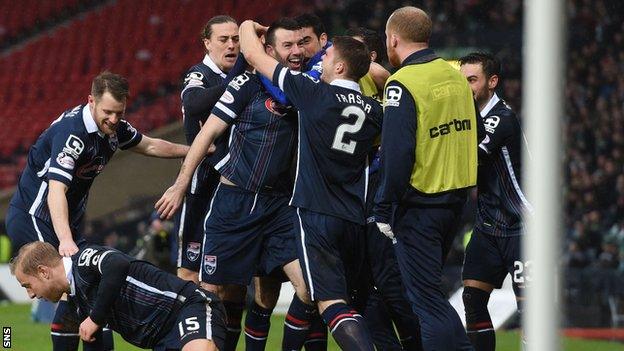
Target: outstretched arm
x,y
172,198
160,148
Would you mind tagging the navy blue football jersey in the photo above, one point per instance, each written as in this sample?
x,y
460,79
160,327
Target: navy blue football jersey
x,y
501,201
337,128
72,151
144,304
262,138
203,84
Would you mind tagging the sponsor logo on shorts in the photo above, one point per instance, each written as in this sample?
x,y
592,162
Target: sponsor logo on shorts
x,y
192,251
210,264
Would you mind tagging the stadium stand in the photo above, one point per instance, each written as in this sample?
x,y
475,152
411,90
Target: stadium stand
x,y
19,20
150,42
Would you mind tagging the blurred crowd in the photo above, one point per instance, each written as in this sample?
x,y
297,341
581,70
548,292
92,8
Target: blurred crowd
x,y
594,135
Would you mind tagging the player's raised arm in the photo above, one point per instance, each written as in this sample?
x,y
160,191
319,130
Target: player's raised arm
x,y
169,203
253,49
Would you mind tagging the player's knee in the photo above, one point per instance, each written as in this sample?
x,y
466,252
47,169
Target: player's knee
x,y
267,293
303,295
475,303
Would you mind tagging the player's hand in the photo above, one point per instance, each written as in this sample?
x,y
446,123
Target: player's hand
x,y
171,200
67,248
386,230
260,29
211,149
87,329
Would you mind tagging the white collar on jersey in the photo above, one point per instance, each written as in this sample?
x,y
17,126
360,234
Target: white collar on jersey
x,y
67,263
213,66
493,101
349,84
89,122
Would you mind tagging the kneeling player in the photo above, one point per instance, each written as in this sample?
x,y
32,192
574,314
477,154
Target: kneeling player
x,y
494,248
147,306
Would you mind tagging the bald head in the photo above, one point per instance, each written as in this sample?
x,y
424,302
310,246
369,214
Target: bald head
x,y
411,24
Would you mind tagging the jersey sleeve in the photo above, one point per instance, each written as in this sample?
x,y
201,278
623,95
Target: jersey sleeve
x,y
65,154
198,99
235,98
298,87
128,136
109,267
398,142
498,130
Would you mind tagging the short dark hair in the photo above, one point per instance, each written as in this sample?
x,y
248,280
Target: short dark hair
x,y
206,32
311,20
355,54
491,65
372,39
113,83
286,23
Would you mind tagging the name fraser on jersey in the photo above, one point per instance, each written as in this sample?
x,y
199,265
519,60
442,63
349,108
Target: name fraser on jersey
x,y
446,128
354,99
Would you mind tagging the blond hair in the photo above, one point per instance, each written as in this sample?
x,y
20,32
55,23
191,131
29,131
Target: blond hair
x,y
33,255
411,24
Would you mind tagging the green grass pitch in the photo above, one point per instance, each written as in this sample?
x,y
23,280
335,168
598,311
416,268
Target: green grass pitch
x,y
27,335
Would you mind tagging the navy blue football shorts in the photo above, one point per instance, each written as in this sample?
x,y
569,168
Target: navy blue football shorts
x,y
332,253
190,221
247,233
489,258
24,228
201,317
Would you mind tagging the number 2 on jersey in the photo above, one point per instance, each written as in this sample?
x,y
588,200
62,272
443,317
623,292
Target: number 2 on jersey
x,y
339,144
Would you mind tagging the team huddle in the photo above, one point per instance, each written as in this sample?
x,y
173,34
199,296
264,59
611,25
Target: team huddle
x,y
308,162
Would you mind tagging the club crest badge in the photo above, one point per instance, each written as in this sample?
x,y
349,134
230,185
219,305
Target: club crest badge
x,y
192,251
210,264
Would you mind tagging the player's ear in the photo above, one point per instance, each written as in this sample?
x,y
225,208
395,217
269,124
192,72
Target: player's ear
x,y
373,55
206,42
394,40
91,100
340,67
269,50
492,82
323,39
43,271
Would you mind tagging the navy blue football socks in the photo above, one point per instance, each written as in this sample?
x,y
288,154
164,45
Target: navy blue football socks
x,y
348,328
257,324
